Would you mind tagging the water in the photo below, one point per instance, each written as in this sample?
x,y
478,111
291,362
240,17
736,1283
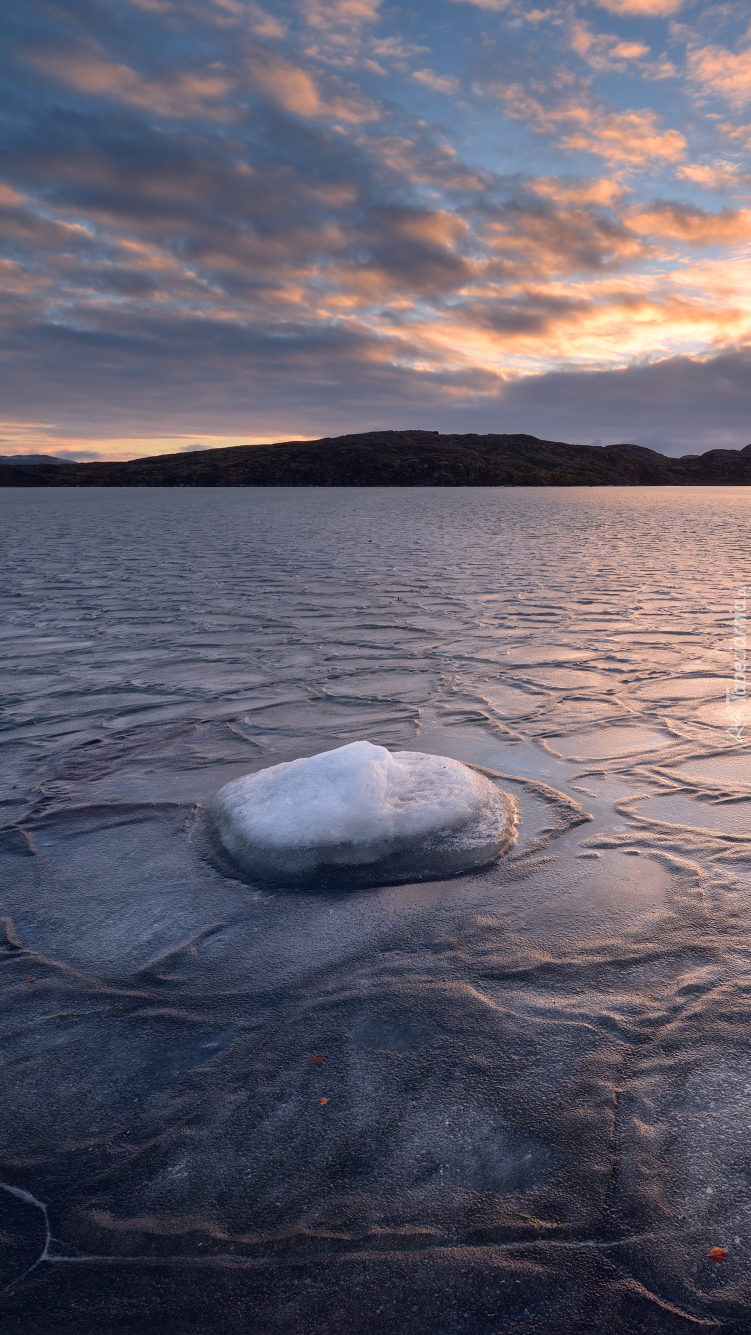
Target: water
x,y
538,1078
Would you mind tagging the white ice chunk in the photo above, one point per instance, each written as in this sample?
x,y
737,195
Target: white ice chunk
x,y
362,816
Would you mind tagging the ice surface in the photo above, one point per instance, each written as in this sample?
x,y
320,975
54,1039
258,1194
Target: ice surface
x,y
538,1075
360,815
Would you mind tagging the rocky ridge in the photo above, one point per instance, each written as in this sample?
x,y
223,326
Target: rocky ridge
x,y
399,459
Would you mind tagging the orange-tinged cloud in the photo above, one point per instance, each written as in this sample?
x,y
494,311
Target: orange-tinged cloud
x,y
495,6
262,23
439,168
539,243
604,51
592,325
86,68
642,8
439,83
601,190
294,89
330,14
334,196
627,138
15,279
622,138
683,223
9,198
718,72
717,176
494,275
705,174
153,6
290,87
439,228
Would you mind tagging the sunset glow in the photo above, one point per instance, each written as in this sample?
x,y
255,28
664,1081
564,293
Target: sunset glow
x,y
226,223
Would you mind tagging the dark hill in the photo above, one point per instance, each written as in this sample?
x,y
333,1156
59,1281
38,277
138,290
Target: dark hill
x,y
400,459
17,459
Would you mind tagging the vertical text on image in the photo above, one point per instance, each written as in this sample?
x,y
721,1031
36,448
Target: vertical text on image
x,y
735,697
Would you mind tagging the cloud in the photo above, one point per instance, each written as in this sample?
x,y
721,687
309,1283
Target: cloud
x,y
153,6
261,23
85,67
398,255
623,138
624,8
246,391
302,252
218,221
446,84
339,31
563,231
684,222
717,72
293,89
642,8
395,48
627,138
717,176
495,6
422,160
678,405
581,191
289,87
604,51
340,14
26,230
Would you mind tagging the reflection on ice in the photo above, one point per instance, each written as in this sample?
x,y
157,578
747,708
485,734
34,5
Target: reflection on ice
x,y
609,742
716,816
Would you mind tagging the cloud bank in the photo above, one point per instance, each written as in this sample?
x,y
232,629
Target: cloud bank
x,y
225,223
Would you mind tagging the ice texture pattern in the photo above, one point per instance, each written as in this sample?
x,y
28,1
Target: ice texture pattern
x,y
359,815
536,1077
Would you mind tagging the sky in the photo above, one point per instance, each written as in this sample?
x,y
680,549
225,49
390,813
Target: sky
x,y
224,223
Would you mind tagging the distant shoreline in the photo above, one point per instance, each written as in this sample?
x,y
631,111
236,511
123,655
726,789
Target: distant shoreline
x,y
399,459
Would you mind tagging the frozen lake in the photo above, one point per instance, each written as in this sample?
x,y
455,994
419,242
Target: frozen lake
x,y
533,1112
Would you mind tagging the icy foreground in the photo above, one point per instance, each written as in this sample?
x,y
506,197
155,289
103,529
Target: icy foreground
x,y
363,815
515,1102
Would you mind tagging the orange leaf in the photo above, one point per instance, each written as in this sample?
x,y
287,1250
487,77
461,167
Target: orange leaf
x,y
31,980
718,1254
322,1101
